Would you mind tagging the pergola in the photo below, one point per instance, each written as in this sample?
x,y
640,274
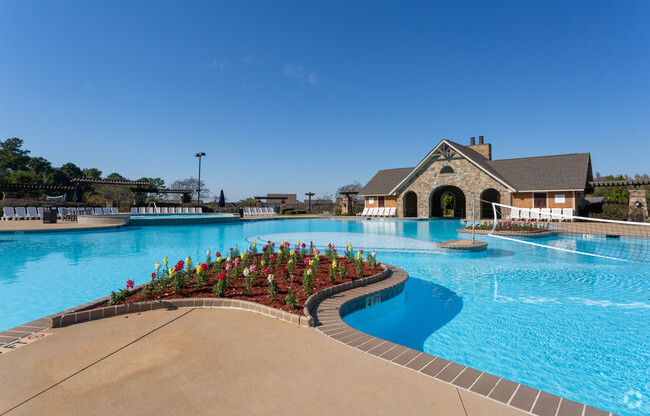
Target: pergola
x,y
638,203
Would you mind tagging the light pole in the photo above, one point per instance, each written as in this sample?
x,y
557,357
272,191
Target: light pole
x,y
198,197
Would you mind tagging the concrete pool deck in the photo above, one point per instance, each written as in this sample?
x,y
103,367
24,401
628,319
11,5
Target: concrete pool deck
x,y
215,361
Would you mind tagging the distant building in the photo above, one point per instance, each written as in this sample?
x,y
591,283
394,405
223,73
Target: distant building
x,y
463,172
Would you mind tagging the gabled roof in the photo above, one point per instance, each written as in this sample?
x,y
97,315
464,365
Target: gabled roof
x,y
472,156
559,172
543,173
384,181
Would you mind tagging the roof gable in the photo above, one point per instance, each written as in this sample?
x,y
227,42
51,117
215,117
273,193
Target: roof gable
x,y
447,148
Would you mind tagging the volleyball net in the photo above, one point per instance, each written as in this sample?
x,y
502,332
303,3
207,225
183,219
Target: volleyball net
x,y
560,229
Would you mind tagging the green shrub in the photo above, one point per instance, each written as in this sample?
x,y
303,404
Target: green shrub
x,y
608,211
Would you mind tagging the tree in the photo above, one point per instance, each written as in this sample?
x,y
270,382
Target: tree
x,y
91,173
351,187
12,157
613,194
156,183
70,170
248,202
192,184
116,177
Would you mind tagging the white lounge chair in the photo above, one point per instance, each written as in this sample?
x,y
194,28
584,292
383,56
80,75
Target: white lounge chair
x,y
392,212
192,210
524,214
556,214
545,214
515,214
567,213
134,210
40,212
106,211
535,214
8,213
32,214
381,212
364,212
199,210
98,211
142,210
114,210
149,210
164,210
373,212
21,213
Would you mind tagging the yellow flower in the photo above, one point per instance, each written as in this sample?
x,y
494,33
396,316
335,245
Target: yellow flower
x,y
290,260
334,263
165,260
311,262
262,262
243,256
219,259
198,268
254,243
298,243
188,261
171,272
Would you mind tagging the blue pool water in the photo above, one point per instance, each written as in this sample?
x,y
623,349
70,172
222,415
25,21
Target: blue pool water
x,y
572,325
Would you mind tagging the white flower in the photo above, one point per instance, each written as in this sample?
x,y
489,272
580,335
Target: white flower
x,y
373,253
228,259
246,272
157,266
208,252
271,277
308,272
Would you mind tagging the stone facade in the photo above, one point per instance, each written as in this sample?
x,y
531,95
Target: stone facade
x,y
466,176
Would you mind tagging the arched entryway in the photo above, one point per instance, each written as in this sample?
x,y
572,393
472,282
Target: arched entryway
x,y
453,197
487,197
410,204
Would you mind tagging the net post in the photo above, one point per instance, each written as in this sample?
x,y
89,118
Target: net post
x,y
473,216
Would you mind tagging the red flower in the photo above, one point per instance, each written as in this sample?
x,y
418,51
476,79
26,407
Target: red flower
x,y
344,262
285,271
204,267
281,247
230,248
180,263
218,254
361,251
304,245
267,272
153,275
129,284
306,261
221,275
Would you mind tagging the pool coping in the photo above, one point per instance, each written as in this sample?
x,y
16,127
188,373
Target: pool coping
x,y
328,321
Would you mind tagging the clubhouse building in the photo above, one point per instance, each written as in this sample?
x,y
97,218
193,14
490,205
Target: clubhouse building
x,y
446,181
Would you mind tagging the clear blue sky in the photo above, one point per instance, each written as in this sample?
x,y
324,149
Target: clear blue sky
x,y
298,96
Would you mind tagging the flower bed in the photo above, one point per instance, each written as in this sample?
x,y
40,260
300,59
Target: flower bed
x,y
509,226
282,279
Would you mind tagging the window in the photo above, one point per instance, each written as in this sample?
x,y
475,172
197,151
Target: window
x,y
446,169
371,201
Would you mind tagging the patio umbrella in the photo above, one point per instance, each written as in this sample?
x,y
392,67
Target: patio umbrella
x,y
77,193
222,200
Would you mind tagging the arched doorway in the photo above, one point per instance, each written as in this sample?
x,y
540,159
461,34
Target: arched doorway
x,y
410,204
487,197
455,200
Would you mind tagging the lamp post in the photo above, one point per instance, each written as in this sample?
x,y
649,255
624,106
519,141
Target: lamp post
x,y
198,197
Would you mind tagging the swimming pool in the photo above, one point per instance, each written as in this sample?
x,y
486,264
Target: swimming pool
x,y
571,325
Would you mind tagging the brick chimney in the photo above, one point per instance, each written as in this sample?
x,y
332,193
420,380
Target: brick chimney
x,y
485,149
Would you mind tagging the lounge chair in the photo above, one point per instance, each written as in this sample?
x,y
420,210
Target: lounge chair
x,y
106,211
382,212
199,210
114,210
142,210
373,212
535,214
515,214
192,210
98,211
545,214
556,214
567,213
525,214
40,212
164,210
186,210
32,214
21,213
8,213
134,210
392,212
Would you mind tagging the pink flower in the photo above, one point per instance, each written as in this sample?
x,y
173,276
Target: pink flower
x,y
237,261
306,261
129,284
228,266
272,256
252,268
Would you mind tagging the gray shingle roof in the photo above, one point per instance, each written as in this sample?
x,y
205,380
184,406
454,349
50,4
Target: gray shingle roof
x,y
384,181
557,172
480,160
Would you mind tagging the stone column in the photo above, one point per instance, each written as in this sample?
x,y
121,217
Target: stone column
x,y
346,206
638,208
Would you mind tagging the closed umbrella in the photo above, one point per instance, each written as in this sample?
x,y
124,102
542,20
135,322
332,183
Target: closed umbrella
x,y
77,193
222,200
